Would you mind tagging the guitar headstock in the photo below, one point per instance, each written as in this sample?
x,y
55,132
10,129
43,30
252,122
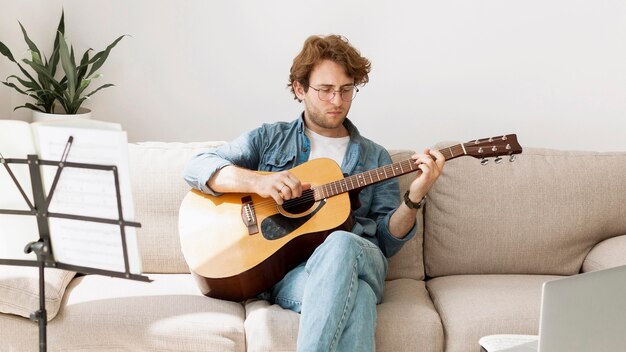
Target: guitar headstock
x,y
493,147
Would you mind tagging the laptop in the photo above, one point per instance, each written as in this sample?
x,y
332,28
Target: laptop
x,y
585,312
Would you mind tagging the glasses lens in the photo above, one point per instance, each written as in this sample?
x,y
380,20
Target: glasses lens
x,y
326,94
347,94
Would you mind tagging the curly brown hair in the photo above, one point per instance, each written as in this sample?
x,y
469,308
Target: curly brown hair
x,y
332,47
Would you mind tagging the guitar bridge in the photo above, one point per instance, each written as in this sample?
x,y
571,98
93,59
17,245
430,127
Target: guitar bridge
x,y
248,215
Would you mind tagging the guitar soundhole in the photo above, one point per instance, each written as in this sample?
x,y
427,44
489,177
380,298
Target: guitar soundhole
x,y
301,204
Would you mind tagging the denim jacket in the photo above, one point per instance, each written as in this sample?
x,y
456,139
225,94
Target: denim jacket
x,y
284,145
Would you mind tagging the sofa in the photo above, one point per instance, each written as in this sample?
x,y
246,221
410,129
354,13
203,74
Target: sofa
x,y
488,237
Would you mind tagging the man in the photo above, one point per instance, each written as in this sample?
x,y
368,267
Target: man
x,y
336,290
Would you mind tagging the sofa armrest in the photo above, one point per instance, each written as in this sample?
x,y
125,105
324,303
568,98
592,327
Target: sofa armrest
x,y
606,254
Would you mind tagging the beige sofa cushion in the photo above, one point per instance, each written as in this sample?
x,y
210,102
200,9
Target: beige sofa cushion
x,y
18,334
407,321
408,262
156,170
607,254
168,314
473,306
19,289
552,207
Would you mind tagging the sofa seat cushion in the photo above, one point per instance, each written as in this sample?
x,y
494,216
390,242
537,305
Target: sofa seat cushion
x,y
407,320
18,334
169,314
473,306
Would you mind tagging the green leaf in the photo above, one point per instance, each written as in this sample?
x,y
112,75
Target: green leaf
x,y
60,29
101,87
12,85
25,83
83,85
36,58
6,52
55,95
28,75
74,106
72,55
43,71
54,59
29,106
30,43
102,56
82,67
69,67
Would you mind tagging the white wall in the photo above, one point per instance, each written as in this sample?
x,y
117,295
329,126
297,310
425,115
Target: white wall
x,y
554,72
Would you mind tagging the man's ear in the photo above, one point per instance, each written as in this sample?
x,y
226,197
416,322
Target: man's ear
x,y
299,90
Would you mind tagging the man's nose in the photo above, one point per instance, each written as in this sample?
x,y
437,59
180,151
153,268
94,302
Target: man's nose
x,y
336,100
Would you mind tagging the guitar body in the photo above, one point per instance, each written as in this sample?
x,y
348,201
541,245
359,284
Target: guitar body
x,y
229,262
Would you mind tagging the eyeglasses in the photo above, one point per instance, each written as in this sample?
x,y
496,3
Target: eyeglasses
x,y
327,94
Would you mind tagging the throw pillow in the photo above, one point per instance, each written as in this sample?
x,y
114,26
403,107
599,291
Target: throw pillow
x,y
19,289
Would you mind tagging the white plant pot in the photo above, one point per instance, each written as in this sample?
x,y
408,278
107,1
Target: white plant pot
x,y
39,116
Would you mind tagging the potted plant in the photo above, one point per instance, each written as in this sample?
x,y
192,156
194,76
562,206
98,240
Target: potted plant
x,y
52,95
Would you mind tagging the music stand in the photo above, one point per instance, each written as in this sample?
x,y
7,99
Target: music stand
x,y
42,247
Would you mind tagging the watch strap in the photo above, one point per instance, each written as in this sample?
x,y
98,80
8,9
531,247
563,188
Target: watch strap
x,y
411,204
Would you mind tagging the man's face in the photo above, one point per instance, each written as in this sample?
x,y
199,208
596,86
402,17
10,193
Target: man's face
x,y
326,117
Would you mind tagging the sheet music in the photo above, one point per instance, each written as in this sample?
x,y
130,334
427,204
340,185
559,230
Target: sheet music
x,y
88,192
16,230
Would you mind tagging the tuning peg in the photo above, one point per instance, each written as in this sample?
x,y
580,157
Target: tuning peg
x,y
498,160
512,158
484,162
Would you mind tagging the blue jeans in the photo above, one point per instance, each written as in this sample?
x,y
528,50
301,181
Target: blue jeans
x,y
336,292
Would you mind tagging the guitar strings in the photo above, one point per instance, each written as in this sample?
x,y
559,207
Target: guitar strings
x,y
271,203
310,194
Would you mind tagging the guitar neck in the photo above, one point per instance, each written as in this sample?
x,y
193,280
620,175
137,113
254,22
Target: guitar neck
x,y
380,174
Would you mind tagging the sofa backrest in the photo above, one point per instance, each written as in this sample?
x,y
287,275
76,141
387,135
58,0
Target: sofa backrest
x,y
408,262
158,189
538,215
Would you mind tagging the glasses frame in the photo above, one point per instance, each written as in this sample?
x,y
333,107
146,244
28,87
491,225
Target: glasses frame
x,y
354,89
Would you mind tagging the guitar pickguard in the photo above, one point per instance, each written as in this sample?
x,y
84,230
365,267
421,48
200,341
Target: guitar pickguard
x,y
278,226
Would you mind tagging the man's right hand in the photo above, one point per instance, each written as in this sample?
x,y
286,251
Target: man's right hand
x,y
281,186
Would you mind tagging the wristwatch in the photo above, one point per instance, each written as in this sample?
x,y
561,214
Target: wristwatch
x,y
411,204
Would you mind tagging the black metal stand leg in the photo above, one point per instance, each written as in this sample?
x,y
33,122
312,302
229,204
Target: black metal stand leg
x,y
40,316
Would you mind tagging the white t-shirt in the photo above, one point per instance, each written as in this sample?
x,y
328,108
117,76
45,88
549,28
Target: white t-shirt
x,y
327,147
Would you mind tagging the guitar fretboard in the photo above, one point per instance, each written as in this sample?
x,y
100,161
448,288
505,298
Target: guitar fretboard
x,y
378,175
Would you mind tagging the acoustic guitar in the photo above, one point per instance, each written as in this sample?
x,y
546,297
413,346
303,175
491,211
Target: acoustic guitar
x,y
239,245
